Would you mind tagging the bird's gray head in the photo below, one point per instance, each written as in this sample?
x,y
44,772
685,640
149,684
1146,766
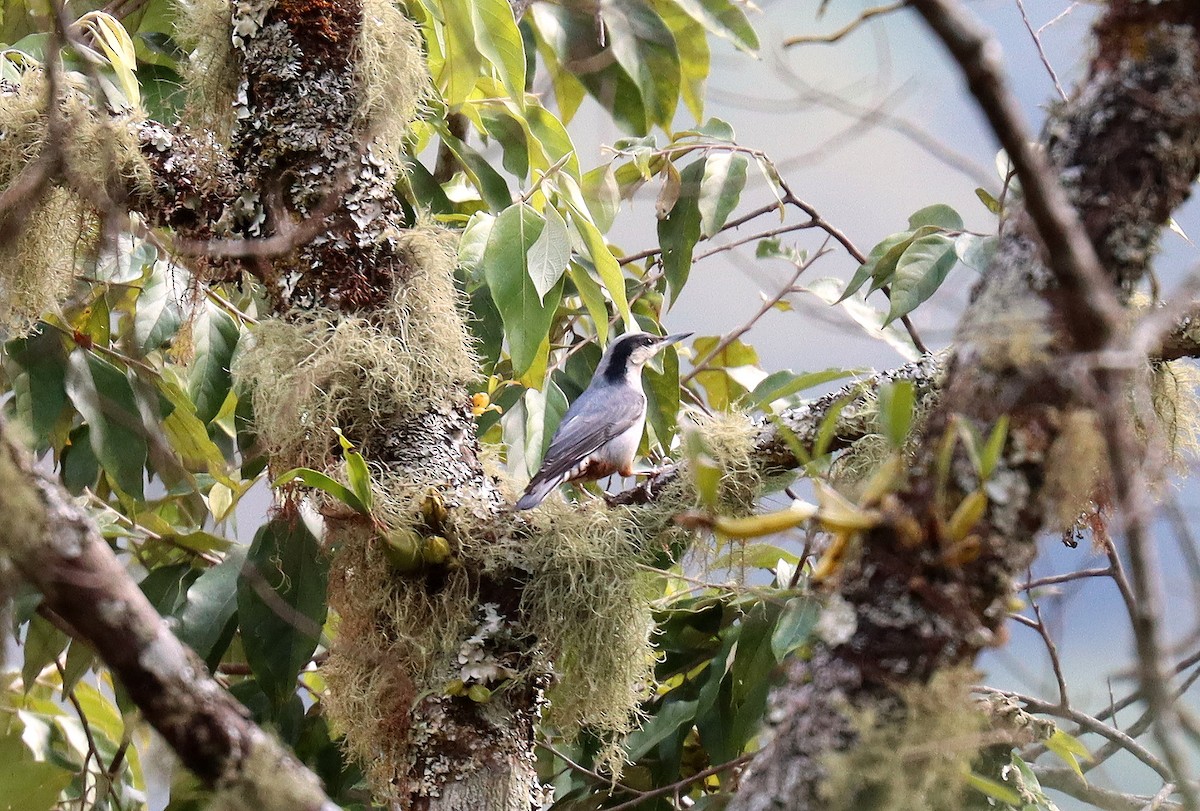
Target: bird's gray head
x,y
627,354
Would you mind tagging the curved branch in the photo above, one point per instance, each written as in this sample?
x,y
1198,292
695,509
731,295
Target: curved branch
x,y
54,544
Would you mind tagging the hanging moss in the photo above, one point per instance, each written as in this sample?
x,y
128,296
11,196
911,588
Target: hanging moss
x,y
98,150
38,271
358,372
1175,399
914,758
211,73
392,76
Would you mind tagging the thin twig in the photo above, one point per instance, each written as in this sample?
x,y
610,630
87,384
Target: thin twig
x,y
1052,650
687,781
767,304
1069,577
846,29
1037,43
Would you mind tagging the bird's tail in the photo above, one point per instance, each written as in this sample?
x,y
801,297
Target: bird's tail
x,y
537,491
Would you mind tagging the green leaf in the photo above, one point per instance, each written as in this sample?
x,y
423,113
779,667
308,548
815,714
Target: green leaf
x,y
568,89
602,258
753,667
720,190
80,467
871,268
713,130
473,241
163,95
204,622
992,449
281,604
42,645
426,191
102,394
602,196
549,253
321,481
662,396
80,657
214,337
593,298
692,44
526,315
679,231
461,61
722,388
989,202
158,316
359,476
713,715
357,472
497,38
186,434
1068,749
666,722
644,47
549,133
896,401
529,426
828,426
166,587
486,327
27,784
725,19
919,272
492,187
974,251
795,626
939,215
781,385
993,789
42,394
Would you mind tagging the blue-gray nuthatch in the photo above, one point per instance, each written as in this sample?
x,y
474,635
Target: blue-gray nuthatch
x,y
600,433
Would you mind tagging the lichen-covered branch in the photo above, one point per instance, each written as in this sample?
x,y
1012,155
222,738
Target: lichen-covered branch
x,y
774,448
53,544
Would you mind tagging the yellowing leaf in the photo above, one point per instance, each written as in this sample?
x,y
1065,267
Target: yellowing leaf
x,y
754,526
114,41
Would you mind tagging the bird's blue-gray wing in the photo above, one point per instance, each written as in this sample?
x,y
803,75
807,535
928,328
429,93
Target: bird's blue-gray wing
x,y
593,419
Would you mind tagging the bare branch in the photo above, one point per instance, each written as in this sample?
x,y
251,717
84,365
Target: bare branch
x,y
1066,781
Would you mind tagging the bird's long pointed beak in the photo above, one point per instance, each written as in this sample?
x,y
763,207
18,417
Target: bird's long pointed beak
x,y
663,343
656,362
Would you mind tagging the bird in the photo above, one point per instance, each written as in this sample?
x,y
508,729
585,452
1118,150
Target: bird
x,y
600,433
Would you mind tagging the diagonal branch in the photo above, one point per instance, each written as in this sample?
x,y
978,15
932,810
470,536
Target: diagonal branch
x,y
54,544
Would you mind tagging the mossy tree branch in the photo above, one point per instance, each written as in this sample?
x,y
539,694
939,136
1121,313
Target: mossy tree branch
x,y
1126,150
53,544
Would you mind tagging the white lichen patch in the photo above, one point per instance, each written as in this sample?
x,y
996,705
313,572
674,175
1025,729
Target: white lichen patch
x,y
837,622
